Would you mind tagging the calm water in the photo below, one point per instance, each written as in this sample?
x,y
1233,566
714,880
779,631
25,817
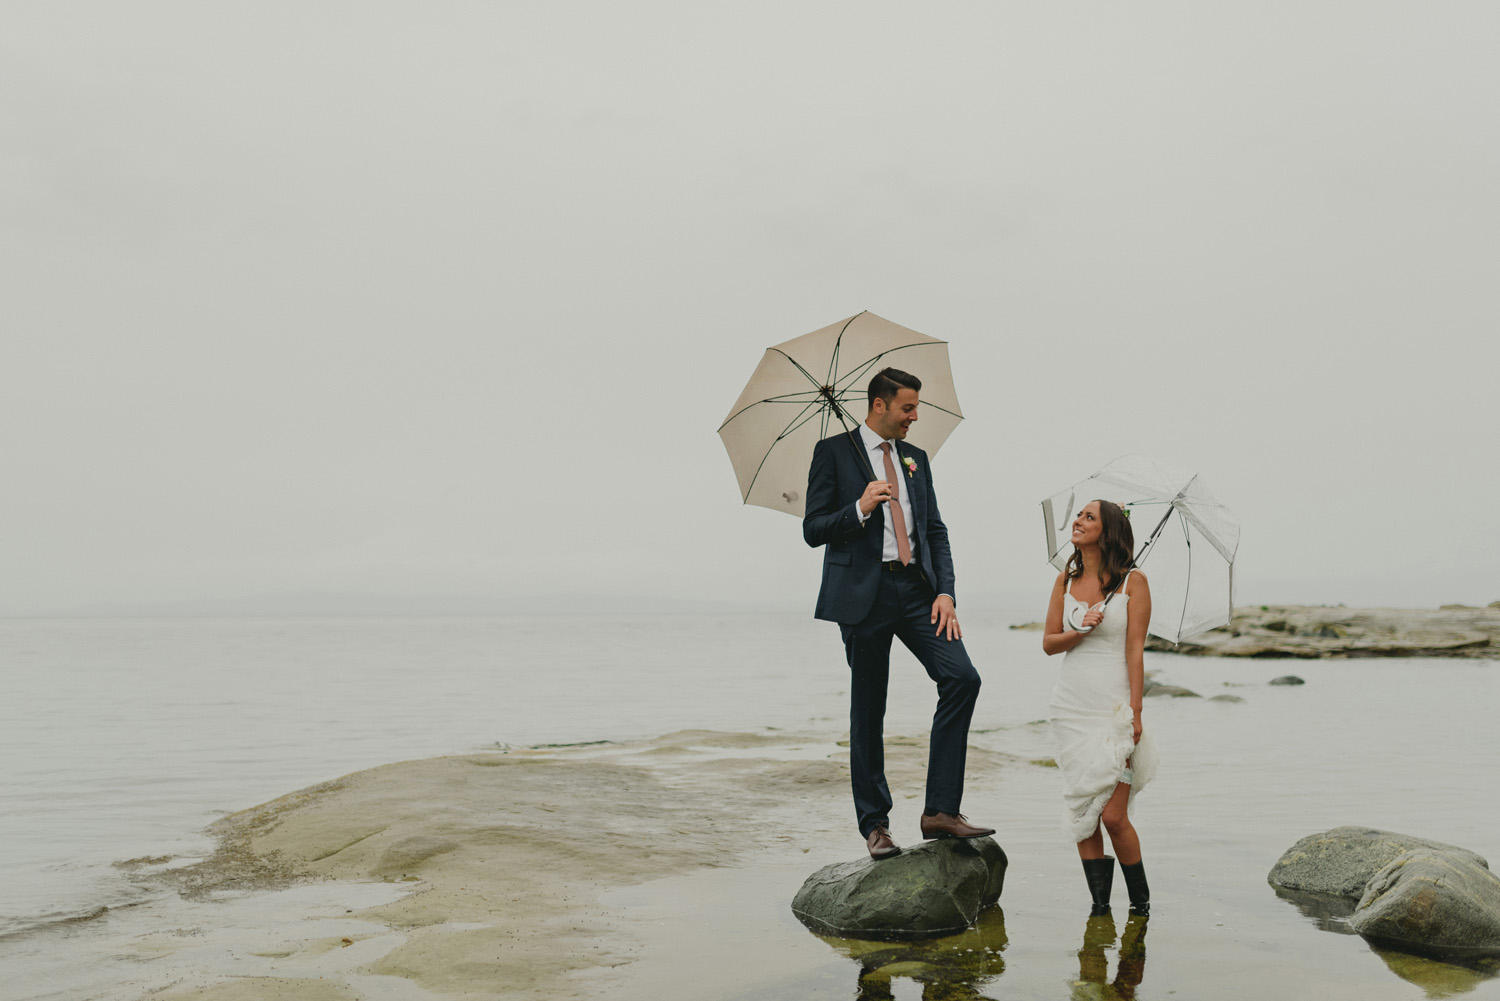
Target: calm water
x,y
123,738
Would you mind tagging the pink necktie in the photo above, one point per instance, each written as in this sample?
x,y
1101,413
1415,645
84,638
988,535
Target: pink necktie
x,y
898,519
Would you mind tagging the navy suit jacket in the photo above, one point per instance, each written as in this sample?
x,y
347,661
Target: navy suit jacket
x,y
851,559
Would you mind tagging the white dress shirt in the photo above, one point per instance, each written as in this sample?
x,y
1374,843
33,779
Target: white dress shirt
x,y
888,549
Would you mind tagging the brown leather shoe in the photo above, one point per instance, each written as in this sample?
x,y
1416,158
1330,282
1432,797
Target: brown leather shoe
x,y
880,844
951,825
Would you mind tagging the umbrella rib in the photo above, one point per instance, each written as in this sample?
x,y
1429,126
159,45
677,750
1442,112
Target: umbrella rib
x,y
1187,587
925,403
863,367
812,396
797,422
838,343
747,406
1152,540
857,373
809,396
798,365
790,398
841,397
866,366
950,413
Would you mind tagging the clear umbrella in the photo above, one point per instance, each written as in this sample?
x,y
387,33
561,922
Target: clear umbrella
x,y
813,386
1190,538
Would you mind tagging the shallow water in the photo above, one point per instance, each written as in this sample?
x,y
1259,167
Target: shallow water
x,y
123,738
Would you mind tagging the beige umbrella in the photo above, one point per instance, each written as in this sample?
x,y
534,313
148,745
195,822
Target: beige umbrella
x,y
814,386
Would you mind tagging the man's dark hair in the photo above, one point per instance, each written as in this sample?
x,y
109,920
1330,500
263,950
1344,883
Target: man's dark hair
x,y
890,381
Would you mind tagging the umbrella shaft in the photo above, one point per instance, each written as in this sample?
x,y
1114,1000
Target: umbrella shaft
x,y
1141,553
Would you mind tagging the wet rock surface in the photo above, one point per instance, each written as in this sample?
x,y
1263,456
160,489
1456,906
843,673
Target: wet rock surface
x,y
1313,631
1397,891
1443,904
1342,861
935,888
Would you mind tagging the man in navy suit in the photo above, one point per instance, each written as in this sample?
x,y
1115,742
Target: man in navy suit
x,y
888,573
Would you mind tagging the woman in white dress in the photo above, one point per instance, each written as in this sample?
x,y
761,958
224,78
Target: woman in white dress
x,y
1098,616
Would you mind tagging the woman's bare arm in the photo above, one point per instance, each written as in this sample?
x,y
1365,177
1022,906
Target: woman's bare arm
x,y
1056,638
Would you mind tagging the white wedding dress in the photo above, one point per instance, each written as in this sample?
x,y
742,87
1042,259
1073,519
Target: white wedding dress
x,y
1092,721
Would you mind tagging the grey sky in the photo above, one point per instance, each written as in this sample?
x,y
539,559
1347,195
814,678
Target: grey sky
x,y
450,298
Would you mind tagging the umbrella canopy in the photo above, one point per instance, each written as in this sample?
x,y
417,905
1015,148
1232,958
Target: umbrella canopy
x,y
815,385
1190,538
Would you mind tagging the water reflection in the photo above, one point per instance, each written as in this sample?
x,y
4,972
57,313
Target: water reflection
x,y
1093,981
1328,912
958,967
1437,978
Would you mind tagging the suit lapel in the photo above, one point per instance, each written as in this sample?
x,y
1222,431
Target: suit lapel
x,y
863,456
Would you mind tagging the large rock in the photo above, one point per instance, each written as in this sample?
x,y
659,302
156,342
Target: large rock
x,y
1342,861
936,888
1174,691
1322,631
1442,904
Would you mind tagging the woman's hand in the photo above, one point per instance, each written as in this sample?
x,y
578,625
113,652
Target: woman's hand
x,y
1092,617
1135,726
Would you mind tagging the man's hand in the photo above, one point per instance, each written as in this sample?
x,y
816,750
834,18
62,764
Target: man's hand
x,y
946,618
876,493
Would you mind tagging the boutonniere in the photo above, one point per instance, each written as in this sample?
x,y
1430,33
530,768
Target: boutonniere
x,y
910,464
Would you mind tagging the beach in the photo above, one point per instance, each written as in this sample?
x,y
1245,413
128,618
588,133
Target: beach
x,y
643,864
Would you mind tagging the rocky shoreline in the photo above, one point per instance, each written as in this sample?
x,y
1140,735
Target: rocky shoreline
x,y
510,859
1334,631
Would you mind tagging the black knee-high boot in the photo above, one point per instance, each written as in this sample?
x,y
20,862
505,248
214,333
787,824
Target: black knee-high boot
x,y
1135,882
1100,873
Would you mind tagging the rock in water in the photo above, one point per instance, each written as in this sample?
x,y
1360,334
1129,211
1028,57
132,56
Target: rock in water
x,y
1175,691
1440,904
1287,679
1342,861
936,888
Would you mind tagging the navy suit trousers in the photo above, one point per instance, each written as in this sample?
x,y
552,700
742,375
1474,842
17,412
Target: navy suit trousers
x,y
903,609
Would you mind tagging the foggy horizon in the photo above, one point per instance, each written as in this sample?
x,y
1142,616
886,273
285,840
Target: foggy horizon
x,y
411,302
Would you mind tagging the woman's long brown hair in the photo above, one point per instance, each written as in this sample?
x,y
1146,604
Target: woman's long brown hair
x,y
1116,547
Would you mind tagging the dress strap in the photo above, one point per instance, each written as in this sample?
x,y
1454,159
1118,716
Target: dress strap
x,y
1126,582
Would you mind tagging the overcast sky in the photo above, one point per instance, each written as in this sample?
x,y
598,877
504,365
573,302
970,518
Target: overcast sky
x,y
451,298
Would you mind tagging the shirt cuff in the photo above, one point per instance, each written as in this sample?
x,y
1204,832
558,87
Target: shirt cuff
x,y
860,514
